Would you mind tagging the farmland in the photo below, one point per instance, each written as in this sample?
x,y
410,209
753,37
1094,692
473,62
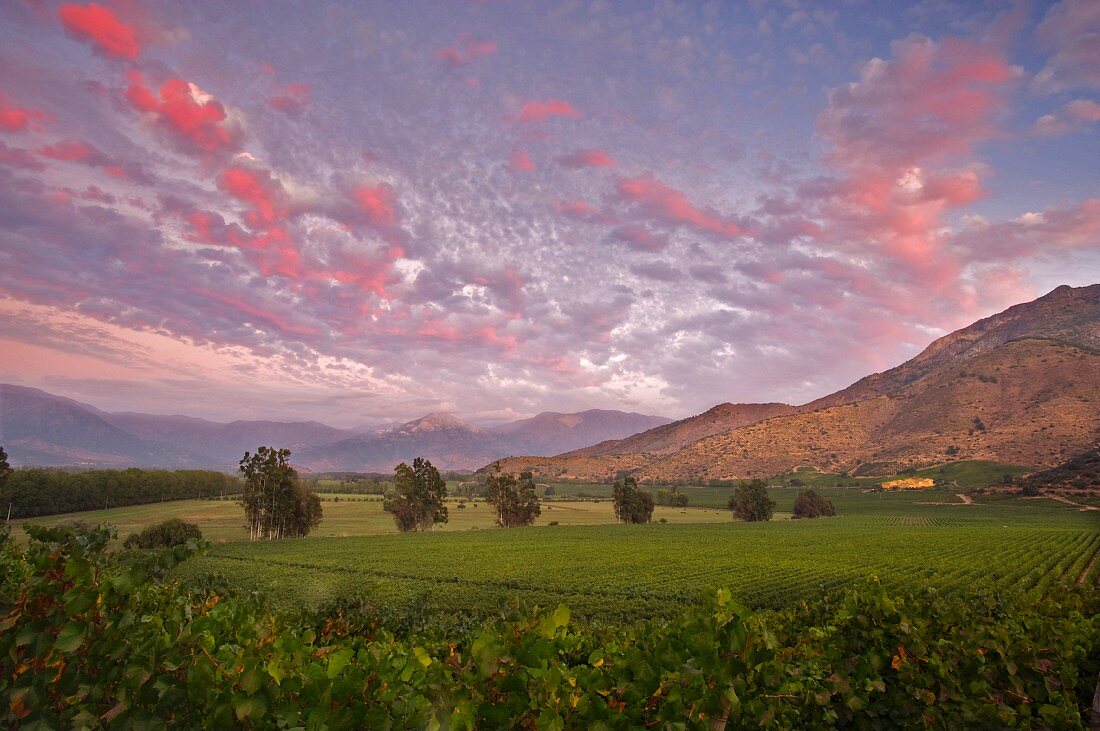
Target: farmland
x,y
624,572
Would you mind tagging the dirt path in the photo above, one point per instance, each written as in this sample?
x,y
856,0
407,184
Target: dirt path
x,y
1067,501
966,500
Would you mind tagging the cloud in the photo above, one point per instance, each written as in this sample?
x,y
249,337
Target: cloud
x,y
519,162
1055,228
586,212
293,100
468,48
1070,118
1072,30
535,111
196,121
929,102
639,237
667,205
102,28
592,158
14,157
84,153
18,119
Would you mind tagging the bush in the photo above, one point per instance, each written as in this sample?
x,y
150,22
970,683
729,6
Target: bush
x,y
809,504
170,533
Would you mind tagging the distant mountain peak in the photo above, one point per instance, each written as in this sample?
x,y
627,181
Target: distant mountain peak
x,y
439,420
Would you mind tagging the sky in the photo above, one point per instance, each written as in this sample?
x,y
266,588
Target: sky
x,y
363,212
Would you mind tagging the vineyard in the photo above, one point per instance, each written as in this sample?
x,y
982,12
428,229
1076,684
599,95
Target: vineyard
x,y
617,572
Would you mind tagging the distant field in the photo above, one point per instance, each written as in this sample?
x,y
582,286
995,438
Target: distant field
x,y
355,515
619,572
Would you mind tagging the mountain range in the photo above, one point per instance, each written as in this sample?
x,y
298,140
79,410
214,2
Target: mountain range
x,y
1021,387
39,428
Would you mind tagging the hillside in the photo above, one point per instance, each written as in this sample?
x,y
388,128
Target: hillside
x,y
1080,472
1019,387
552,432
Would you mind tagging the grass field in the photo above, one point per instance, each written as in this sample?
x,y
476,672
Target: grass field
x,y
355,515
617,572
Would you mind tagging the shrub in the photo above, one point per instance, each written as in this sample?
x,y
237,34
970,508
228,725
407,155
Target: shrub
x,y
809,504
173,532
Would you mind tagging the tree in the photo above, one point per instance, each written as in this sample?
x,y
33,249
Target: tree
x,y
809,504
276,504
419,492
751,503
5,471
672,498
632,504
170,533
516,501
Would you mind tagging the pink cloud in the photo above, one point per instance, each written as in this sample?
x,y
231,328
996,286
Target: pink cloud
x,y
670,206
586,212
1057,227
1069,118
640,238
900,138
293,100
13,157
257,188
68,150
468,48
196,120
379,205
519,162
593,158
102,28
931,101
539,111
18,119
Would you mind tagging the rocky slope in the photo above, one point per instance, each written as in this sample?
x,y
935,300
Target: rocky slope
x,y
1022,386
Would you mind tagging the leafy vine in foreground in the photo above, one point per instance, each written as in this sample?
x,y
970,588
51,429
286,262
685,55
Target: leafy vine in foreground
x,y
91,638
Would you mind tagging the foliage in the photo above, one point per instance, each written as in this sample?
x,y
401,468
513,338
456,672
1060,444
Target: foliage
x,y
276,505
750,502
809,504
34,492
632,504
671,498
420,491
515,500
172,532
99,639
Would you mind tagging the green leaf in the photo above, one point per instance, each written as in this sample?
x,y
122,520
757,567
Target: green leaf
x,y
70,638
339,660
422,655
561,616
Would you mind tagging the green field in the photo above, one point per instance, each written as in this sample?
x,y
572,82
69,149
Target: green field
x,y
618,572
610,571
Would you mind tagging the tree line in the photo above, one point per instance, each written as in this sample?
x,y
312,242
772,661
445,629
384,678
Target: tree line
x,y
33,492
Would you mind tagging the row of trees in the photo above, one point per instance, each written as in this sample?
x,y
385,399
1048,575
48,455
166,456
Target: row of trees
x,y
33,492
